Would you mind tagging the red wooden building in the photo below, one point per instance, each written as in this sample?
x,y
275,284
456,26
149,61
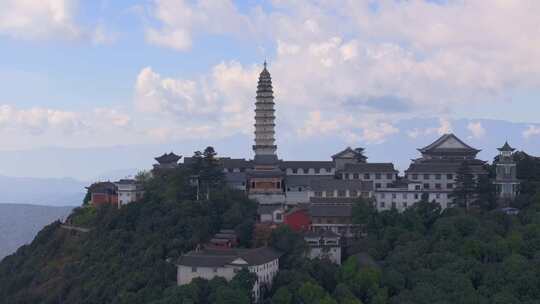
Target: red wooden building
x,y
298,219
103,193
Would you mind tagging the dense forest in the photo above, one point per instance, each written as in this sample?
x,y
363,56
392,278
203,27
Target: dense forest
x,y
423,255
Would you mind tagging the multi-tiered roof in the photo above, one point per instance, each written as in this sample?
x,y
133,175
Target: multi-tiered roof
x,y
446,154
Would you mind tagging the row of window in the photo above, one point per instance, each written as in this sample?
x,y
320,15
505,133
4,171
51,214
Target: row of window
x,y
306,170
340,193
405,195
435,186
367,176
415,176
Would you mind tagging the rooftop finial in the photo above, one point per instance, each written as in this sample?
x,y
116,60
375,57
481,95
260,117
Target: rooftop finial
x,y
265,63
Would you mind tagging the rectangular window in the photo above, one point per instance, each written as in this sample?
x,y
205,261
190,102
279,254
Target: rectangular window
x,y
389,176
329,193
437,195
377,176
426,176
437,176
393,204
346,176
417,187
426,186
328,170
438,186
377,186
356,176
381,204
416,196
449,176
317,170
318,193
353,193
366,176
405,205
394,195
405,195
449,186
193,269
294,170
415,176
382,195
341,193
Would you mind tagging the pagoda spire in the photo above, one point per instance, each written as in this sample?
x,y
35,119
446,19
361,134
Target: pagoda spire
x,y
264,116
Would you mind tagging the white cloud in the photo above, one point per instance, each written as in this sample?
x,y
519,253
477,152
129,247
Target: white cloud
x,y
414,133
476,129
431,55
101,35
179,20
38,120
531,131
38,19
378,133
222,101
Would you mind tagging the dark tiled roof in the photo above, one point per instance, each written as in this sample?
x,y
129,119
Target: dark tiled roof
x,y
332,200
235,177
232,163
229,231
341,184
304,180
370,167
321,210
102,187
306,164
168,158
297,209
358,153
265,173
126,182
220,258
321,234
444,138
265,160
227,236
267,209
506,147
442,167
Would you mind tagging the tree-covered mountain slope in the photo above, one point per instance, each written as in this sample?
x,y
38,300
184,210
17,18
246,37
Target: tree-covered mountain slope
x,y
420,256
128,255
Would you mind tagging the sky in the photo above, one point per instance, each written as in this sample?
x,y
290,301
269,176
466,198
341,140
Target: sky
x,y
90,74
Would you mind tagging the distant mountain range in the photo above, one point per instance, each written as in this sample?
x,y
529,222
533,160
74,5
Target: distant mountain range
x,y
42,191
19,223
397,145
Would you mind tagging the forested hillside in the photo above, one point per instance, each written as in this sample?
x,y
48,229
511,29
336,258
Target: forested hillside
x,y
420,256
128,256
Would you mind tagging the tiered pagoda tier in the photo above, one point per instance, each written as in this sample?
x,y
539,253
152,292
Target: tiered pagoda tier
x,y
265,147
265,180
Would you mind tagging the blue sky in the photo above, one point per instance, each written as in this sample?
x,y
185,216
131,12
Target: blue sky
x,y
86,74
